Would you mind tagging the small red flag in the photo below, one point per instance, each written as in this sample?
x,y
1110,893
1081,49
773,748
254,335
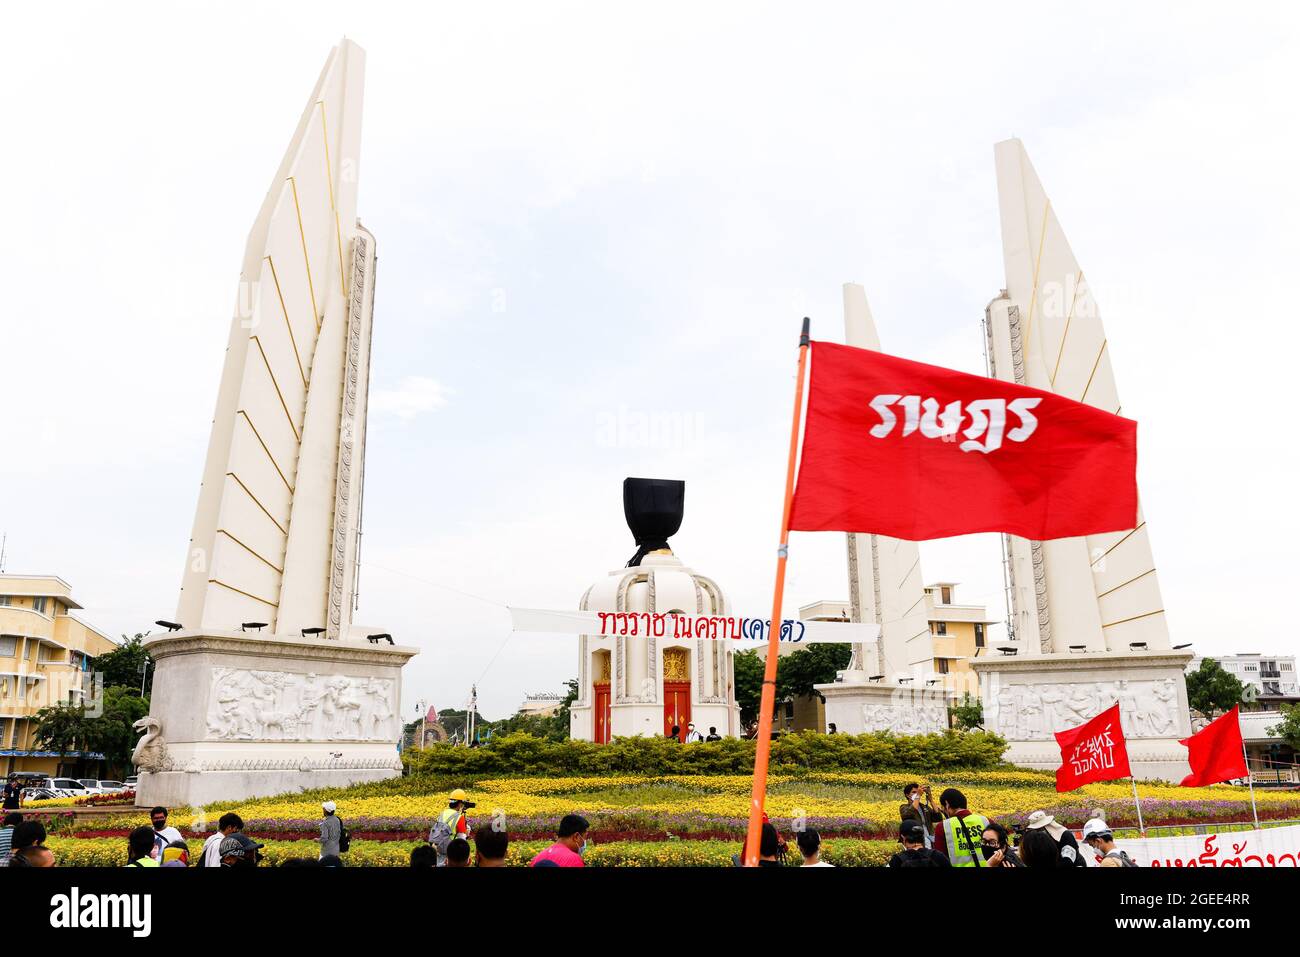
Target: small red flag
x,y
1092,752
1215,752
915,451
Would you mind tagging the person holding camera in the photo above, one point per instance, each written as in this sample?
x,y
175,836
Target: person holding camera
x,y
451,825
919,807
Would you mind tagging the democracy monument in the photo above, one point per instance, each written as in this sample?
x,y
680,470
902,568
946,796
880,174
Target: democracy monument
x,y
263,684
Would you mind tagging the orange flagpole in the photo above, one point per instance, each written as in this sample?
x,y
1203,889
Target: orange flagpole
x,y
761,753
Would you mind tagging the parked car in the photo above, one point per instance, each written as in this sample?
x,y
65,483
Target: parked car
x,y
111,787
92,785
70,787
131,782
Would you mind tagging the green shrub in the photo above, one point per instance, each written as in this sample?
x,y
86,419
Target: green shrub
x,y
522,755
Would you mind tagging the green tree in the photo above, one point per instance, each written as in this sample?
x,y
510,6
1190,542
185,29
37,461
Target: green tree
x,y
969,715
121,666
817,664
795,674
562,718
112,733
62,728
68,728
1211,690
749,684
1289,729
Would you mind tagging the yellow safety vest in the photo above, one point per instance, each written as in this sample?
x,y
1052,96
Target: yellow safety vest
x,y
961,852
450,816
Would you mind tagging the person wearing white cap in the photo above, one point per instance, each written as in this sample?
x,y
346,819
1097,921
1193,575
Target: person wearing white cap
x,y
1067,846
1098,836
331,829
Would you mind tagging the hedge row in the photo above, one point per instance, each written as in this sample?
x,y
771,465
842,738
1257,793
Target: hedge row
x,y
523,754
111,852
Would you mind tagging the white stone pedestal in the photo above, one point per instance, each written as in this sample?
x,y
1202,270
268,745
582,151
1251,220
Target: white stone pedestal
x,y
1027,700
856,705
238,715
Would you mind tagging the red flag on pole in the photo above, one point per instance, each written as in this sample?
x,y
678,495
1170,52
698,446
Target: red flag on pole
x,y
1092,752
1216,752
915,451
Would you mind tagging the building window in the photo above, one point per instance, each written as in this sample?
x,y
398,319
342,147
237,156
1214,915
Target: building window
x,y
8,646
943,665
945,595
941,628
38,603
1250,668
4,601
979,636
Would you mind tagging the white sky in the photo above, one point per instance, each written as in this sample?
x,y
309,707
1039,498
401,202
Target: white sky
x,y
590,218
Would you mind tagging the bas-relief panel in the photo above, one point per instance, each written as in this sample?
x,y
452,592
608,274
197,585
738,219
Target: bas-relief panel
x,y
248,705
905,718
1029,712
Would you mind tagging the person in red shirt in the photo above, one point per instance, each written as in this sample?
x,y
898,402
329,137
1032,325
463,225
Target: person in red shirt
x,y
953,804
568,850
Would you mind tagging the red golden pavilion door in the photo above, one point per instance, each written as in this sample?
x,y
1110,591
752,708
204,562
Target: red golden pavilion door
x,y
677,691
677,707
600,713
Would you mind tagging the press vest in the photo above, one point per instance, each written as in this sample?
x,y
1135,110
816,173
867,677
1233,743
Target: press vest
x,y
961,852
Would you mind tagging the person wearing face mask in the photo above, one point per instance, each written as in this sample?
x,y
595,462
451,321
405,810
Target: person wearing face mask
x,y
996,847
568,850
163,833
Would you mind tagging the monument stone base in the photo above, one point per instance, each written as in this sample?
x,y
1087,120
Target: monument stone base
x,y
238,715
1027,700
855,705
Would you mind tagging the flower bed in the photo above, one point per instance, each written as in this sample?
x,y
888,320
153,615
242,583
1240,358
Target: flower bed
x,y
672,819
111,852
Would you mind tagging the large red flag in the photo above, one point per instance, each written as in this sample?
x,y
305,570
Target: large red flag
x,y
915,451
1092,752
1215,752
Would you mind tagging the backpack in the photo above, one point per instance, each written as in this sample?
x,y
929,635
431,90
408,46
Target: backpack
x,y
921,857
345,837
1124,859
442,834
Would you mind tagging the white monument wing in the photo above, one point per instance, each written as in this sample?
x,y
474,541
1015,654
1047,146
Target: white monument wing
x,y
1099,592
274,533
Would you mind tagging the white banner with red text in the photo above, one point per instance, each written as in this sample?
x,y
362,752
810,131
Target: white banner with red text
x,y
600,624
1267,847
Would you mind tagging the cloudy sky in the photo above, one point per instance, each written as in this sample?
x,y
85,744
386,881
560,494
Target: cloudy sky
x,y
598,226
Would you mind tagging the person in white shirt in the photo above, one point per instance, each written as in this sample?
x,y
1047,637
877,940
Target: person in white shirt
x,y
692,735
228,825
162,834
810,848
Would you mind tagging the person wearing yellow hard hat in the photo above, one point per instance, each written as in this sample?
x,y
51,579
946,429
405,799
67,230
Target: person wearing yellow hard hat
x,y
451,824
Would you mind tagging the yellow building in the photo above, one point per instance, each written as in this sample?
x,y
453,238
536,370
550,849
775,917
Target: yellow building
x,y
44,660
958,633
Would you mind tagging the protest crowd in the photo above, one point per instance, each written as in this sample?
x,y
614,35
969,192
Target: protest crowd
x,y
931,833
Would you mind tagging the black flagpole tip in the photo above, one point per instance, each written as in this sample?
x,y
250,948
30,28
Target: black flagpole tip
x,y
803,338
